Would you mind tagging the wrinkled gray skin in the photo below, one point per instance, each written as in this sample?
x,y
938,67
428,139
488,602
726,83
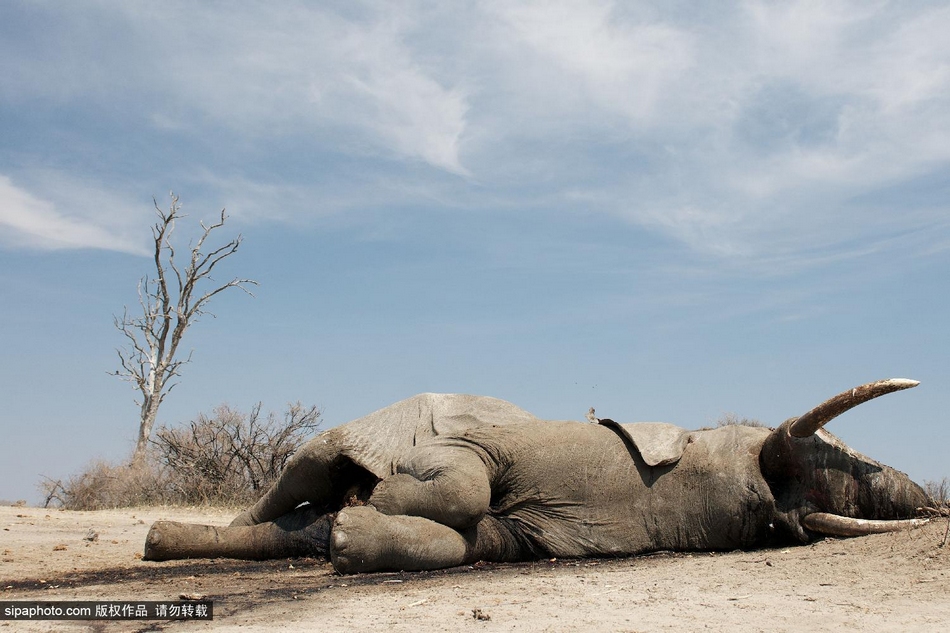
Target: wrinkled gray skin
x,y
450,479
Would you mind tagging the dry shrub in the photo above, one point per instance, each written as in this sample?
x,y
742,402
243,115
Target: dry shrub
x,y
228,458
731,419
938,491
103,485
231,457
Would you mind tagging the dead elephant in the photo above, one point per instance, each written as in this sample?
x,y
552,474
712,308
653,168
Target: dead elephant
x,y
443,480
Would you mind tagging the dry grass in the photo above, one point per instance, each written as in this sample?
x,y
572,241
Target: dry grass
x,y
102,485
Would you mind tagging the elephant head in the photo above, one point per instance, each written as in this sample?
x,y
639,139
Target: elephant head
x,y
821,485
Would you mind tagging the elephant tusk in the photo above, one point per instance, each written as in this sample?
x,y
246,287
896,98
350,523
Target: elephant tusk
x,y
837,525
809,423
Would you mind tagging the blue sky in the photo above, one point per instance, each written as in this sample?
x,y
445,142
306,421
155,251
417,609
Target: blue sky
x,y
661,210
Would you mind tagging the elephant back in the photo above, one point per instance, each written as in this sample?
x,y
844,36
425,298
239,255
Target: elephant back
x,y
378,440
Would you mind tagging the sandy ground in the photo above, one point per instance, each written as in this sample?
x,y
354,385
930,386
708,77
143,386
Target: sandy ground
x,y
892,582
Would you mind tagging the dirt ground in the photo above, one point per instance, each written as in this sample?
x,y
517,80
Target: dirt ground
x,y
891,582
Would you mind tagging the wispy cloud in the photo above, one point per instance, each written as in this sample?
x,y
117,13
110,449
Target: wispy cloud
x,y
28,221
252,70
303,72
589,54
744,132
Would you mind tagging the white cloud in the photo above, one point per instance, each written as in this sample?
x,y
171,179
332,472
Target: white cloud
x,y
29,221
739,131
253,70
306,72
847,99
379,86
627,68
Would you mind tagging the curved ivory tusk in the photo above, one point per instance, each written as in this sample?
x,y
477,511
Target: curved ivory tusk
x,y
809,423
837,525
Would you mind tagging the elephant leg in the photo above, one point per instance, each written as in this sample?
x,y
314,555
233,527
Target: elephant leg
x,y
302,532
364,540
305,477
319,474
441,481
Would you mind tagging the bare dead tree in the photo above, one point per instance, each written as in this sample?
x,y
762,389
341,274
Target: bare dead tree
x,y
171,302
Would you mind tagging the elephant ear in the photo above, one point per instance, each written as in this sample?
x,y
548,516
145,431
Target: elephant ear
x,y
659,443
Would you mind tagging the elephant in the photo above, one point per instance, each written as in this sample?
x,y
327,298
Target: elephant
x,y
442,480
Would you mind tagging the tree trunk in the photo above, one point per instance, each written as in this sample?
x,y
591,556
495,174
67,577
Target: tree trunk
x,y
149,413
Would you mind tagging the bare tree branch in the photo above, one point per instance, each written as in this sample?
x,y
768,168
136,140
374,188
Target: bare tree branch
x,y
168,308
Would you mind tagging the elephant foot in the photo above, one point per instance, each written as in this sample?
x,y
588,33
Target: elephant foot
x,y
303,532
365,540
170,540
244,519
